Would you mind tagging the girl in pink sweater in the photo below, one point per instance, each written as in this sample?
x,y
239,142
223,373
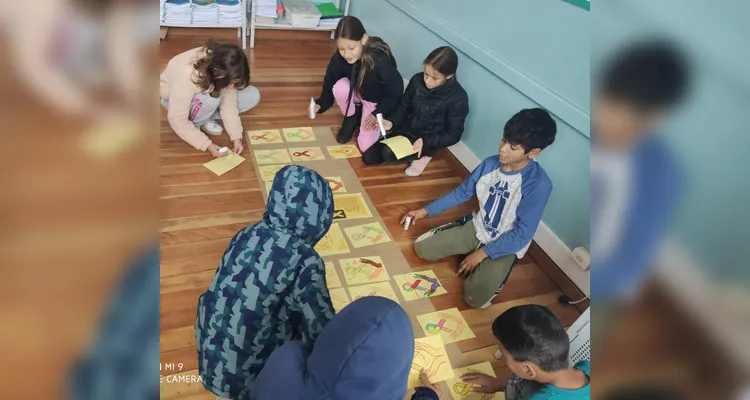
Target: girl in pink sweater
x,y
202,85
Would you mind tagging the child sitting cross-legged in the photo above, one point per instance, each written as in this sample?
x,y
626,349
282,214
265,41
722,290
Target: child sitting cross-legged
x,y
431,113
535,346
512,189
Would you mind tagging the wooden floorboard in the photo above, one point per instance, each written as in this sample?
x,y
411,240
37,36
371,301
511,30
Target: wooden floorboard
x,y
200,212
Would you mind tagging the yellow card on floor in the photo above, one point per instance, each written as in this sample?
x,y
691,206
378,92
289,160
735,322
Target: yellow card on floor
x,y
367,235
332,243
277,156
400,146
268,172
419,285
362,270
448,324
337,184
300,154
332,278
222,165
350,206
382,289
430,355
268,185
268,136
343,151
461,390
339,299
304,134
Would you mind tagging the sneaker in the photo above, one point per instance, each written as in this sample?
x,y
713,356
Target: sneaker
x,y
417,166
349,125
212,128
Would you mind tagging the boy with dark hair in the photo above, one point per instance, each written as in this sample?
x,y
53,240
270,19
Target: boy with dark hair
x,y
535,346
512,189
635,178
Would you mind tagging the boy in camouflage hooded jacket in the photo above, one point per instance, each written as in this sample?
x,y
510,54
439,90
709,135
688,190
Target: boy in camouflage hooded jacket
x,y
269,288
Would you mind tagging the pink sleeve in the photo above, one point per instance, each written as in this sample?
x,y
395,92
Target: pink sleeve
x,y
180,99
230,114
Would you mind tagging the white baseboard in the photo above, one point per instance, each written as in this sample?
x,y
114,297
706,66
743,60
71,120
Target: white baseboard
x,y
559,252
555,248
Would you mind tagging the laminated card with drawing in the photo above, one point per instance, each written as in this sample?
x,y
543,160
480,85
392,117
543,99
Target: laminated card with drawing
x,y
269,136
332,243
448,324
363,270
350,206
382,289
461,390
367,234
430,355
419,285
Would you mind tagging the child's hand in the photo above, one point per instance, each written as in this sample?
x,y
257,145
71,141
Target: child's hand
x,y
387,125
214,150
471,262
237,146
484,383
418,146
370,122
415,215
425,379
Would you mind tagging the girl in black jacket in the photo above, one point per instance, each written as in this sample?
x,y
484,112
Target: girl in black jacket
x,y
363,79
431,113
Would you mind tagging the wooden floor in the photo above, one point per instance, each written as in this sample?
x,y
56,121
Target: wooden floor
x,y
200,211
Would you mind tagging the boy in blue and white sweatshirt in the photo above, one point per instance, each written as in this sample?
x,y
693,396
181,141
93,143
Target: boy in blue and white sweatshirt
x,y
512,189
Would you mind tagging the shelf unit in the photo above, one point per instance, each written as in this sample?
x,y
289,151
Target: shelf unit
x,y
283,24
241,26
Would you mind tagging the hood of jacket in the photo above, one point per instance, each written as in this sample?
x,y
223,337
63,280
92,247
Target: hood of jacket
x,y
364,353
300,203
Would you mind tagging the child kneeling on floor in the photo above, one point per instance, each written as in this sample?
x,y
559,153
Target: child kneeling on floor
x,y
512,189
270,286
431,113
536,348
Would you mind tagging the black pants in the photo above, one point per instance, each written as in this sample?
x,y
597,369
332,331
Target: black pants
x,y
380,153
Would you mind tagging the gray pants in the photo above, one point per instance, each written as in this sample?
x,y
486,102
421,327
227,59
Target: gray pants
x,y
205,108
487,279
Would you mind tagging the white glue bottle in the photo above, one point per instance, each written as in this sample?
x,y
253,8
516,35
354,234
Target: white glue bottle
x,y
312,108
407,222
379,117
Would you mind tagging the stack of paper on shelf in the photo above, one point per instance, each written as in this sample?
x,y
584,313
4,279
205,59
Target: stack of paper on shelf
x,y
177,12
331,15
230,12
266,11
205,12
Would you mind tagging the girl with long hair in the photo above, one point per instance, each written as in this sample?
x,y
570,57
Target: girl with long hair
x,y
363,80
202,85
431,114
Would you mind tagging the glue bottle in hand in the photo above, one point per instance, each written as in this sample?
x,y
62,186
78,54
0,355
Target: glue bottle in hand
x,y
312,108
379,117
407,222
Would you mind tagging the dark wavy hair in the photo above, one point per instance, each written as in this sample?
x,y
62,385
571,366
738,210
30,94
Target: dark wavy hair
x,y
222,65
351,28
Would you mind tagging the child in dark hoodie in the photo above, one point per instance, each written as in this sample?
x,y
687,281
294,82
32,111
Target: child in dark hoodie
x,y
269,288
364,353
431,113
363,80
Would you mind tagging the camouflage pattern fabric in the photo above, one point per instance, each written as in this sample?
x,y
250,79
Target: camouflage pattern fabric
x,y
269,287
